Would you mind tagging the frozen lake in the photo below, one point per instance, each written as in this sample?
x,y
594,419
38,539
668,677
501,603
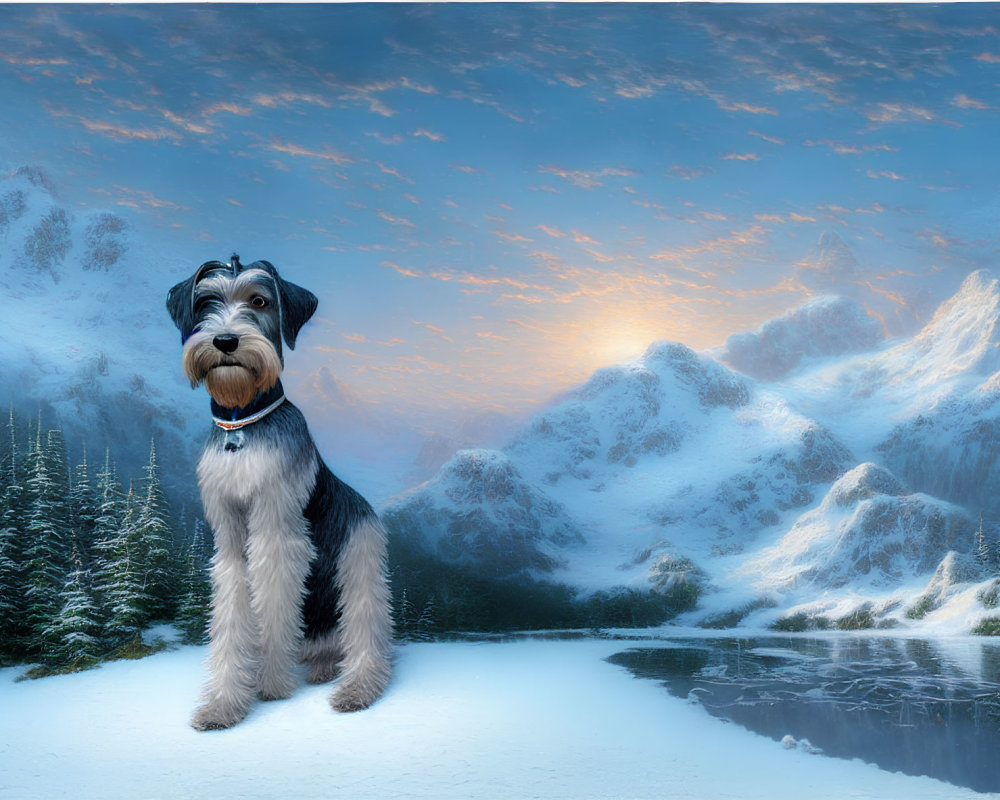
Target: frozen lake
x,y
907,705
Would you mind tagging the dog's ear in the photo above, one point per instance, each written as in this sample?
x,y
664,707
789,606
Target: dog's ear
x,y
180,307
297,304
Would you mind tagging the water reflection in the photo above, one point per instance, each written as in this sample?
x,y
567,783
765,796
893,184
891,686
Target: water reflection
x,y
908,705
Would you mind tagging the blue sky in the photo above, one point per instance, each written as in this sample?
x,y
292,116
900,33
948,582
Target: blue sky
x,y
493,200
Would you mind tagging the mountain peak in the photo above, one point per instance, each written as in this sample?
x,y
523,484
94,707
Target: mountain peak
x,y
964,334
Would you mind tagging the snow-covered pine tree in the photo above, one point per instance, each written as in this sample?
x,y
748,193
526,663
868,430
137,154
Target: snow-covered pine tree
x,y
196,597
74,637
126,596
984,554
153,540
83,506
46,538
12,604
56,463
10,574
109,514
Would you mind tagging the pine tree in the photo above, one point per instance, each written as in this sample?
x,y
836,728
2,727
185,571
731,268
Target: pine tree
x,y
12,605
44,556
109,515
126,594
10,574
983,549
83,506
153,538
74,637
196,599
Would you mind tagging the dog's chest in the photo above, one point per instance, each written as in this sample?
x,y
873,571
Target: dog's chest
x,y
252,471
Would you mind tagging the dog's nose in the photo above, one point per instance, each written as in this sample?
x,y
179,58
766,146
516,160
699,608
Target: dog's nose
x,y
226,342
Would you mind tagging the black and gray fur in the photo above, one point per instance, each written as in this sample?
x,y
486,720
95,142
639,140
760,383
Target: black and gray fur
x,y
299,568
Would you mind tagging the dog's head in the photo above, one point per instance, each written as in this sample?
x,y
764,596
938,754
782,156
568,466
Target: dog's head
x,y
232,320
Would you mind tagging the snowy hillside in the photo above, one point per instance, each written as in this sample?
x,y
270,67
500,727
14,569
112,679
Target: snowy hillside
x,y
867,530
83,337
854,478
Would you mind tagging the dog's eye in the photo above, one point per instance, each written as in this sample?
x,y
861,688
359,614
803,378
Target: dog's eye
x,y
258,302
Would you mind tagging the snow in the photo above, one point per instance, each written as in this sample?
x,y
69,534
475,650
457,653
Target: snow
x,y
517,719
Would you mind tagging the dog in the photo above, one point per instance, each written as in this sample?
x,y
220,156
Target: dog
x,y
299,569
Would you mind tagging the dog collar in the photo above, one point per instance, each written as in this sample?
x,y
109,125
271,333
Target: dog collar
x,y
236,424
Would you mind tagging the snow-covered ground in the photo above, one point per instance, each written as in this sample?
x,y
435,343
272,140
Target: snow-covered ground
x,y
518,719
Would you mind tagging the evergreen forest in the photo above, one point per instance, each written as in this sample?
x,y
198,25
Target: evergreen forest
x,y
87,561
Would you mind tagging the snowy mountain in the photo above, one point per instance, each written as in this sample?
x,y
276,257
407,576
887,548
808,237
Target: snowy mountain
x,y
84,341
855,480
868,529
479,509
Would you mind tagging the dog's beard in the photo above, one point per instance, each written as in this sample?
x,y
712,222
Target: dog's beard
x,y
232,379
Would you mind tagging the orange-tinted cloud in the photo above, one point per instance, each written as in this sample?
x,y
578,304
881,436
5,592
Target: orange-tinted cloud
x,y
327,154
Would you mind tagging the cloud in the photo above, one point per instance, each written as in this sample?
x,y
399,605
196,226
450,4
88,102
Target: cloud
x,y
111,130
964,101
989,58
228,108
433,329
140,198
30,61
724,244
690,173
551,230
586,179
766,138
289,97
327,154
569,80
393,219
849,149
745,108
511,237
408,273
900,113
426,134
184,124
884,174
395,173
741,157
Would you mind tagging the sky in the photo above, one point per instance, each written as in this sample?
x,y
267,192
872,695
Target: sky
x,y
493,200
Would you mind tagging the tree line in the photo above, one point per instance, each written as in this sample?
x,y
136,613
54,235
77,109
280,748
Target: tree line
x,y
86,563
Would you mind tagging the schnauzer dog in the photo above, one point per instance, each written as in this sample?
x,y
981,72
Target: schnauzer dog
x,y
299,571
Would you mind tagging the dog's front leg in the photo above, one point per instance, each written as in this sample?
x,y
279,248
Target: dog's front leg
x,y
233,634
279,553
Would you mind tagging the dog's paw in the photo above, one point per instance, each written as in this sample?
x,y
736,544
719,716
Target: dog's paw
x,y
352,698
211,717
275,687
